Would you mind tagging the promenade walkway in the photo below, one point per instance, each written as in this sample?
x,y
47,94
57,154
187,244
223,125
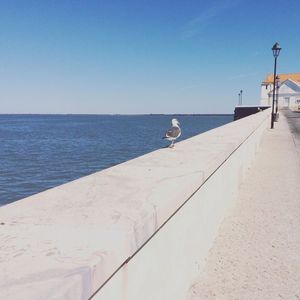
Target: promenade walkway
x,y
256,254
293,119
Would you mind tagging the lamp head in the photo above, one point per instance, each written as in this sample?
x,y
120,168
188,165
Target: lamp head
x,y
276,50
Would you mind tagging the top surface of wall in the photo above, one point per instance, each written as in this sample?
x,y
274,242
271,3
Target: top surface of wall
x,y
67,241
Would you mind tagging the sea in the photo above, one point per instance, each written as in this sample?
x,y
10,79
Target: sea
x,y
38,152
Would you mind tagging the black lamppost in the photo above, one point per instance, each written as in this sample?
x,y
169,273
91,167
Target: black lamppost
x,y
239,102
241,93
276,50
277,95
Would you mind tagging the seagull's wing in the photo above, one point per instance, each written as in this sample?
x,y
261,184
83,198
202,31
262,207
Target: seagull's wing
x,y
173,132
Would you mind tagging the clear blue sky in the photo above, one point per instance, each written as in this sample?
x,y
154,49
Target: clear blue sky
x,y
155,56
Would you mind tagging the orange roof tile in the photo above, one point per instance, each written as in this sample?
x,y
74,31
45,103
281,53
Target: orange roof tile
x,y
283,77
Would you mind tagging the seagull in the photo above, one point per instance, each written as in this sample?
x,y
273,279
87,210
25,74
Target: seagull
x,y
173,133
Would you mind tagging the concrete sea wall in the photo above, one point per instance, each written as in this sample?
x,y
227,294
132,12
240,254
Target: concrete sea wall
x,y
139,230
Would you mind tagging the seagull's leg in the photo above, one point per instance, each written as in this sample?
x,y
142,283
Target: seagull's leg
x,y
172,144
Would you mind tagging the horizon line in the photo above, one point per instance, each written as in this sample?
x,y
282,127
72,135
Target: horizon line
x,y
115,114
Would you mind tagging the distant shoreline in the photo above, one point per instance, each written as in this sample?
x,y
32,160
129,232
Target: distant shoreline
x,y
179,114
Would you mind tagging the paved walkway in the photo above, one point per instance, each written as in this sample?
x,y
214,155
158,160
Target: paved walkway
x,y
257,252
293,119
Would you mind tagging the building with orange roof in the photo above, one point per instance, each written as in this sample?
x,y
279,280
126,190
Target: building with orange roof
x,y
288,89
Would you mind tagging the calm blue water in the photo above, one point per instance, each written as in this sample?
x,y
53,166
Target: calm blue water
x,y
38,152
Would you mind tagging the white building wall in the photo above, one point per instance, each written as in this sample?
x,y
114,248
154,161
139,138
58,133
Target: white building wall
x,y
294,101
288,95
264,94
288,98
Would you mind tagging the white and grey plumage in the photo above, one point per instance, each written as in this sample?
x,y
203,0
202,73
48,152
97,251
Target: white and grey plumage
x,y
173,133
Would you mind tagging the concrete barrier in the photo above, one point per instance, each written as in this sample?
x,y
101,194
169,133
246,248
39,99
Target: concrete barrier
x,y
139,230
